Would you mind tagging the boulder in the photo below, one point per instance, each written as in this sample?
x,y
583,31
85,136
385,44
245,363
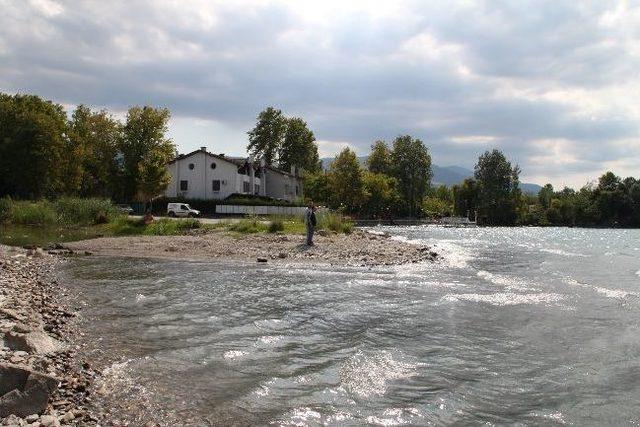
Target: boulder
x,y
24,392
32,342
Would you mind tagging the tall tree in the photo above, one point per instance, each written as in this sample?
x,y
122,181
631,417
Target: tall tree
x,y
34,147
96,136
465,198
379,160
265,139
380,194
498,189
411,165
545,195
298,147
144,133
316,187
153,176
346,189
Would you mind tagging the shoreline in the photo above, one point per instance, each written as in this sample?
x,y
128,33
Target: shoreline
x,y
39,347
360,248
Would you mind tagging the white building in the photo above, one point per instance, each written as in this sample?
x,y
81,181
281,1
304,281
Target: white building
x,y
203,175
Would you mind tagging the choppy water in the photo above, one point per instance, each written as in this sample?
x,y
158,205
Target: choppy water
x,y
525,326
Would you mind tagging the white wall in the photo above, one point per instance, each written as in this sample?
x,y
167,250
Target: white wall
x,y
281,186
201,177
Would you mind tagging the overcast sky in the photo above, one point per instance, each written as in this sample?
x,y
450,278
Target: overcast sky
x,y
554,84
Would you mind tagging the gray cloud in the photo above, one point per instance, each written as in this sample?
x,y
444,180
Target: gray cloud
x,y
440,72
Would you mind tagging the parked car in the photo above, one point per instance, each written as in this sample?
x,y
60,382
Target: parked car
x,y
125,209
182,210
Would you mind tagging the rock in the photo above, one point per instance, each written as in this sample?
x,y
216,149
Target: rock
x,y
88,253
24,392
68,417
49,421
282,255
260,259
33,342
32,418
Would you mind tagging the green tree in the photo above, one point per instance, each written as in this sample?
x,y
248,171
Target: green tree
x,y
411,165
298,147
316,187
465,198
435,207
96,136
144,137
153,176
380,194
498,195
346,187
545,195
35,151
265,139
379,160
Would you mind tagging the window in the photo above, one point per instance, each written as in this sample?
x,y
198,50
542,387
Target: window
x,y
191,166
216,185
257,189
246,187
184,207
213,165
184,185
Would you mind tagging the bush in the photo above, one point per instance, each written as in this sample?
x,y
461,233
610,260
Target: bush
x,y
85,211
6,205
33,213
248,225
333,221
170,227
275,225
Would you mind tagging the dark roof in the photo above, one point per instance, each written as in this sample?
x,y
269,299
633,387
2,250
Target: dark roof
x,y
217,156
239,161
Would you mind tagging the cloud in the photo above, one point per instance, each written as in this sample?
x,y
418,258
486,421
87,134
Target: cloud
x,y
546,81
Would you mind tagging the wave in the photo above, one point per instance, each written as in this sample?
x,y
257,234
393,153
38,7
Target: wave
x,y
234,354
368,374
505,298
561,252
510,283
609,293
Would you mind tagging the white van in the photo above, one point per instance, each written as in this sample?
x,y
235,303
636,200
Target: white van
x,y
181,209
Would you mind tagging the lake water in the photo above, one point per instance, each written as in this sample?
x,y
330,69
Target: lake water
x,y
515,325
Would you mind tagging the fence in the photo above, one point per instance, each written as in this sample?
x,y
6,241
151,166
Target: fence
x,y
259,210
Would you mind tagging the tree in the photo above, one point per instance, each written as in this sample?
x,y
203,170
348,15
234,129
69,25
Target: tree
x,y
144,139
545,195
96,137
153,176
465,198
298,147
265,139
379,160
498,189
34,147
316,187
435,207
346,187
411,165
380,194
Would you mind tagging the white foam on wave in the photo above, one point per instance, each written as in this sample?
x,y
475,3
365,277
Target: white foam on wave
x,y
368,374
561,252
609,293
638,273
234,354
505,298
510,283
395,417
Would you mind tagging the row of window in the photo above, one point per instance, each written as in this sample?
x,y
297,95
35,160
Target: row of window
x,y
215,186
192,166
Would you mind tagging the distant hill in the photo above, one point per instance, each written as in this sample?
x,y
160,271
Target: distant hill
x,y
447,175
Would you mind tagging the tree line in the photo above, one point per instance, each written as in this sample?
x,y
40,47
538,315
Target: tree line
x,y
44,153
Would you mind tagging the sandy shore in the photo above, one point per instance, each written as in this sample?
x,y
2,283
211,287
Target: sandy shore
x,y
42,378
358,249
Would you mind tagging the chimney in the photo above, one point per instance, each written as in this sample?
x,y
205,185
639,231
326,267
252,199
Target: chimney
x,y
203,149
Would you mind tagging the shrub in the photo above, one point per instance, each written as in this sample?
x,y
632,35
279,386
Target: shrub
x,y
275,225
170,227
328,220
248,225
33,213
85,211
6,205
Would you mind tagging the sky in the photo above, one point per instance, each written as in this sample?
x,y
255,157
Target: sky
x,y
554,84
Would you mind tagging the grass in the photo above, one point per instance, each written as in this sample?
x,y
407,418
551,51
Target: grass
x,y
328,220
64,211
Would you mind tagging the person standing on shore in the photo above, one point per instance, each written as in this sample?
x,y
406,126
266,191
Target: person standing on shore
x,y
310,222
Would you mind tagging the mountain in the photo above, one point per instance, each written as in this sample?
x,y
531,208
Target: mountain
x,y
447,175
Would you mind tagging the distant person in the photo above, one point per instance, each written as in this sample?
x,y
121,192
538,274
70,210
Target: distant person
x,y
310,222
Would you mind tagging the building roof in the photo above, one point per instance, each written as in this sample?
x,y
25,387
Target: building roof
x,y
239,161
